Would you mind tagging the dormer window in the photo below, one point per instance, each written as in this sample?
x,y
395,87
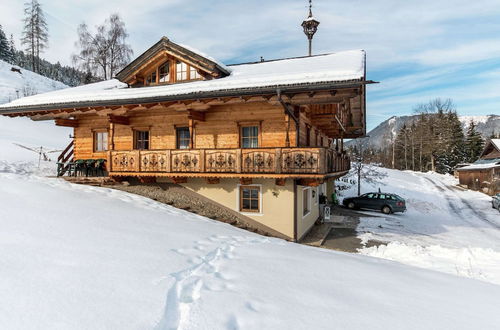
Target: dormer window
x,y
164,72
151,78
193,73
182,71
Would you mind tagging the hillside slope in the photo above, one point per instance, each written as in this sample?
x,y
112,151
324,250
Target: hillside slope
x,y
23,130
78,257
381,135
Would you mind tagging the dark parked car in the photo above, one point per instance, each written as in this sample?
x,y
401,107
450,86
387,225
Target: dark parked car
x,y
387,203
495,202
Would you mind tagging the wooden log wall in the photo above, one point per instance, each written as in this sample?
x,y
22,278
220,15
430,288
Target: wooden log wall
x,y
219,130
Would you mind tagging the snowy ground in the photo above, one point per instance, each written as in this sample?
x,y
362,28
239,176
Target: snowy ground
x,y
79,257
445,228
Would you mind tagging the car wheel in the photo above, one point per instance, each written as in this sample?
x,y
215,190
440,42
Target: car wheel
x,y
351,205
386,210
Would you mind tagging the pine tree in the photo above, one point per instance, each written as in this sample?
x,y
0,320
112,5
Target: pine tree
x,y
5,53
13,52
35,34
474,143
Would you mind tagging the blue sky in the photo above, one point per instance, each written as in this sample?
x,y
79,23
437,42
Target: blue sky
x,y
417,49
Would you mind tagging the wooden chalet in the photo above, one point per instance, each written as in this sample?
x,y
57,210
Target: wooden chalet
x,y
263,138
484,174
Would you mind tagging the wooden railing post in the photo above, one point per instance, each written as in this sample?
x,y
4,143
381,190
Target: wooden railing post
x,y
277,160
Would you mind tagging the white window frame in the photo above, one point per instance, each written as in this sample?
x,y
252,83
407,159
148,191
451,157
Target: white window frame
x,y
238,199
306,190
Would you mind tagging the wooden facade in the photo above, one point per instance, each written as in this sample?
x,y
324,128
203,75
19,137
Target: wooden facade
x,y
484,174
269,139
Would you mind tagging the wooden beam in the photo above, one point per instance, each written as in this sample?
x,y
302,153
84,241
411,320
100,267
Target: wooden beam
x,y
245,181
196,115
212,180
178,180
280,182
310,182
121,120
67,122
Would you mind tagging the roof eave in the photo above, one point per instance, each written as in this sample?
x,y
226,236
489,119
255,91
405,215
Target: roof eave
x,y
295,88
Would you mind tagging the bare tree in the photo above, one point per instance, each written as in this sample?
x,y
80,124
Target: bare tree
x,y
105,52
35,35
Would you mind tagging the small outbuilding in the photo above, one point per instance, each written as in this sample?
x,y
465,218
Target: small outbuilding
x,y
484,174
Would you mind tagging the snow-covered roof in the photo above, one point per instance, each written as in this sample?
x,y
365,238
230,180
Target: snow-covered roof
x,y
496,143
341,68
482,164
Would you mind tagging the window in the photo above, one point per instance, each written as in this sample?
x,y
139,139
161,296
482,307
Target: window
x,y
164,72
141,139
151,78
193,73
250,137
183,138
306,201
370,196
250,199
182,71
100,141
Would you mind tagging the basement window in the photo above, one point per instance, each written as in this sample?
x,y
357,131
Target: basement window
x,y
100,141
141,140
250,199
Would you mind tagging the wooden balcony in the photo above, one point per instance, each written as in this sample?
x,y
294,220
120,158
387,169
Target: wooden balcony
x,y
264,162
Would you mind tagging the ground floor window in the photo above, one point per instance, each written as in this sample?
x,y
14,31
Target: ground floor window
x,y
250,199
306,201
100,141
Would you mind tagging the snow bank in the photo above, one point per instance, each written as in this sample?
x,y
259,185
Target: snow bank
x,y
445,228
78,257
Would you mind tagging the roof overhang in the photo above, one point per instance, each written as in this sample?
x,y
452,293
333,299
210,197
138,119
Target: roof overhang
x,y
238,92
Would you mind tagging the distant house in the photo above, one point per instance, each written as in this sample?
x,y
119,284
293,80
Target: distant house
x,y
484,174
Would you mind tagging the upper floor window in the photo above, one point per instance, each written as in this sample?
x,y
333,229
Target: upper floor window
x,y
250,137
141,139
182,71
171,71
100,141
151,78
193,73
164,72
183,137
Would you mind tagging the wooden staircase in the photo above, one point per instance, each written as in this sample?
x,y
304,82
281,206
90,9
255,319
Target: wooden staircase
x,y
65,160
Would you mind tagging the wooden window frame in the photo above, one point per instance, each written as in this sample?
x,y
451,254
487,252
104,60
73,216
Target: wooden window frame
x,y
259,198
306,192
257,124
94,140
135,141
177,128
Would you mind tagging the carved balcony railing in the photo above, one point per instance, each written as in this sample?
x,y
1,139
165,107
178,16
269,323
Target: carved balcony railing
x,y
262,160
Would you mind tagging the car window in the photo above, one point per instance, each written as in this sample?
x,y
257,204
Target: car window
x,y
370,195
382,196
